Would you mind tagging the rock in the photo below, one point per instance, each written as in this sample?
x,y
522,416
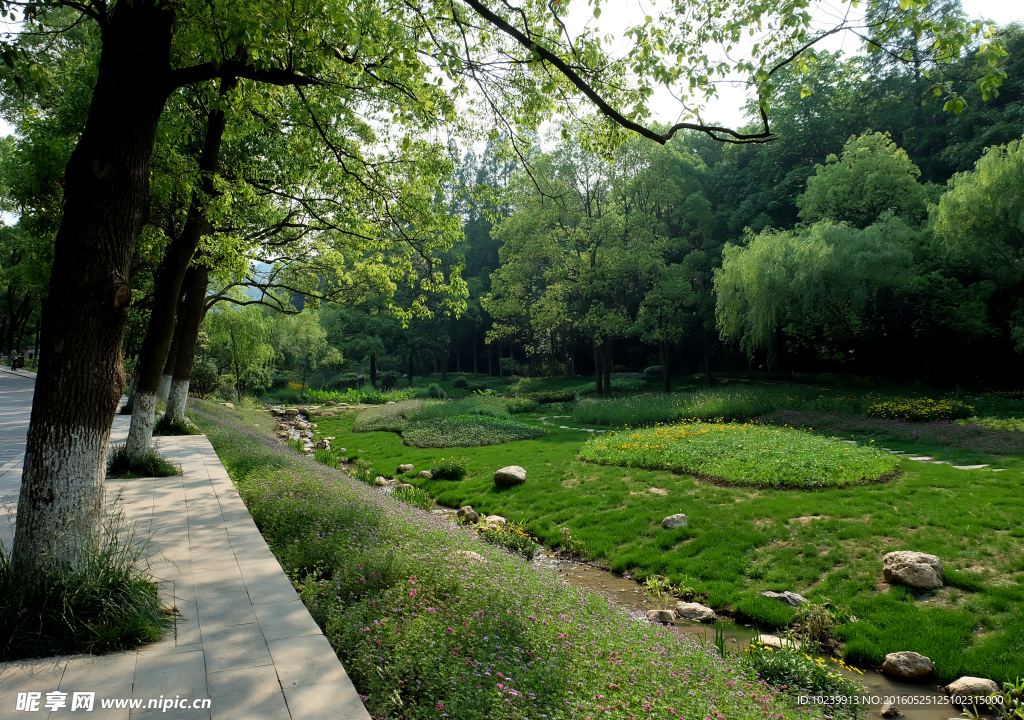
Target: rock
x,y
774,641
425,474
282,433
306,434
890,711
405,468
382,481
509,476
229,406
470,556
392,402
790,598
495,520
906,665
468,514
914,569
695,611
322,445
661,616
972,687
674,521
291,412
403,486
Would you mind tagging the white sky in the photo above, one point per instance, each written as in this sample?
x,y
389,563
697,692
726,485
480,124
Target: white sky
x,y
727,108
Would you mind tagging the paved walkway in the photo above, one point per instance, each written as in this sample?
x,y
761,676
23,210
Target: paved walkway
x,y
243,638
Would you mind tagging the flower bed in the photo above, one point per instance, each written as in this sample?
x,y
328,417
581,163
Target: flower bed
x,y
743,454
426,631
920,409
467,431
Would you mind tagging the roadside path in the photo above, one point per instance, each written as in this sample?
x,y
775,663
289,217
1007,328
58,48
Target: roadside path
x,y
243,638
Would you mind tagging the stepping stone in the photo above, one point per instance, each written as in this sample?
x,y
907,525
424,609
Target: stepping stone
x,y
564,427
969,467
921,458
938,462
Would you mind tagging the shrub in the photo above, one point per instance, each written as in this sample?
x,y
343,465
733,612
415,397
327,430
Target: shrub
x,y
467,431
452,468
654,370
170,425
389,380
120,465
475,387
743,454
205,379
920,409
111,604
519,406
638,410
548,396
801,674
619,368
436,392
620,384
393,418
514,537
461,383
367,396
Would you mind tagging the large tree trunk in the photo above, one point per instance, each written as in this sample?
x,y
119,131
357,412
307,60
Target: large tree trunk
x,y
598,370
168,290
191,319
410,368
444,365
373,370
81,376
164,390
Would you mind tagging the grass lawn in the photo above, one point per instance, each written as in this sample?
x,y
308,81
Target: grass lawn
x,y
824,543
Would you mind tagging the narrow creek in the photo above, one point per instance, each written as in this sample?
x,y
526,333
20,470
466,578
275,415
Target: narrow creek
x,y
916,701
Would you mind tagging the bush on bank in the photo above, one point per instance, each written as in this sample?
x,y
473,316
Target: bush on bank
x,y
432,622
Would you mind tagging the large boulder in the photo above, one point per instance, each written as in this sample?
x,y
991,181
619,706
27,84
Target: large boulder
x,y
405,468
915,569
495,520
889,711
425,474
509,476
468,514
695,611
906,665
674,521
661,616
790,598
972,687
777,642
291,412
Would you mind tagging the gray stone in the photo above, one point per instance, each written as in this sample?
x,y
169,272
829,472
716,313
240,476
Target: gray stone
x,y
890,711
674,521
509,476
425,474
495,520
382,481
405,468
974,687
661,616
229,406
291,412
403,486
468,514
774,641
790,598
913,569
695,611
906,665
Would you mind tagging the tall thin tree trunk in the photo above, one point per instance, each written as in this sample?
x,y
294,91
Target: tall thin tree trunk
x,y
663,349
81,376
501,368
373,370
444,365
410,367
192,311
598,373
35,354
709,379
490,359
160,331
164,390
458,358
476,355
606,352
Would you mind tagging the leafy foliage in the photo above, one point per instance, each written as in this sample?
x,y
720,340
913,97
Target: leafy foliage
x,y
452,468
920,409
513,536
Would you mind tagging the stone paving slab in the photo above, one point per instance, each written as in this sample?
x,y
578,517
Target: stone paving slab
x,y
243,639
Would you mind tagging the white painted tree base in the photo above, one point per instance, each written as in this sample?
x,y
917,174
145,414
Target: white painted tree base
x,y
140,435
164,388
177,399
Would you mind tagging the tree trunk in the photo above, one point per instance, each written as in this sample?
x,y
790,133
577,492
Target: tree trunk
x,y
373,370
444,365
476,355
36,354
606,357
709,380
191,320
458,358
164,390
663,349
81,376
501,368
490,360
598,374
160,331
410,368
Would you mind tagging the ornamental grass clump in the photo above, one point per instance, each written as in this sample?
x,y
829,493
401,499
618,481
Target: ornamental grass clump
x,y
430,621
798,673
122,465
920,409
513,536
743,454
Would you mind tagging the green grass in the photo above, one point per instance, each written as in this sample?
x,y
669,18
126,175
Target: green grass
x,y
739,540
110,605
150,464
745,454
425,631
168,425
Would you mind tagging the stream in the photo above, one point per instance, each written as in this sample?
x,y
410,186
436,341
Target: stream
x,y
915,700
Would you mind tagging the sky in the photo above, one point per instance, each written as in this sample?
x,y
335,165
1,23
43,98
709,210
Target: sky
x,y
727,108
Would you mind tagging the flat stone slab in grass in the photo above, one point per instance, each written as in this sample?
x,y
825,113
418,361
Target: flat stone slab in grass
x,y
790,598
970,467
921,458
509,476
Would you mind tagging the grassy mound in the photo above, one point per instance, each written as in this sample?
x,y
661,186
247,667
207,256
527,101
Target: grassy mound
x,y
430,621
150,464
743,454
467,431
